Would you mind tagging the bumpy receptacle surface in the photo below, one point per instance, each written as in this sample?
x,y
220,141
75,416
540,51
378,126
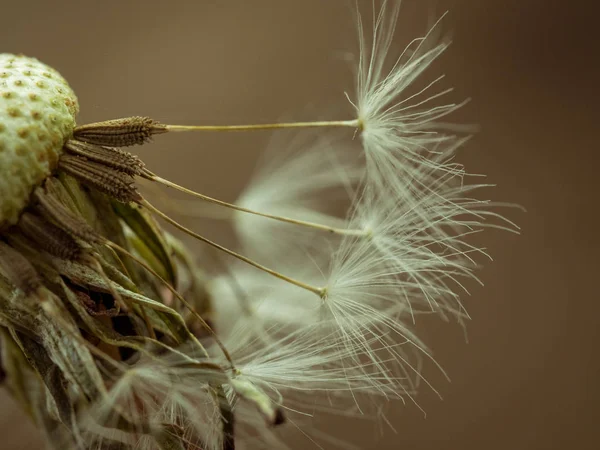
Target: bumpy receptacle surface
x,y
37,115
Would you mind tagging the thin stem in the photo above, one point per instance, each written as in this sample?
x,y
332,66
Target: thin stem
x,y
317,226
315,290
354,123
185,207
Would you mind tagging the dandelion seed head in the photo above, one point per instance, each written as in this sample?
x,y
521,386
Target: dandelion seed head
x,y
123,344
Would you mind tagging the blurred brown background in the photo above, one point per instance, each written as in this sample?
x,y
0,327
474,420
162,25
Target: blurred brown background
x,y
528,377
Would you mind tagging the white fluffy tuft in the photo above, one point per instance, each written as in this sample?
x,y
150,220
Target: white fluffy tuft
x,y
399,125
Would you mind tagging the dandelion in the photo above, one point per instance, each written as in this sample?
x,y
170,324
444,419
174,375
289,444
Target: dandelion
x,y
114,337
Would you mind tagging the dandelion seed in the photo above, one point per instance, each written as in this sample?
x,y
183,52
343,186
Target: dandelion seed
x,y
293,364
302,360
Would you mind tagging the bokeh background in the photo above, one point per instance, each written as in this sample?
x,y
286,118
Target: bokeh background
x,y
527,378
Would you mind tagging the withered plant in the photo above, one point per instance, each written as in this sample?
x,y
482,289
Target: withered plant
x,y
114,338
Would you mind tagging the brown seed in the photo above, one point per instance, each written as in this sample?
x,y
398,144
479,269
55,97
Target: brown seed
x,y
120,132
49,237
118,185
116,158
52,209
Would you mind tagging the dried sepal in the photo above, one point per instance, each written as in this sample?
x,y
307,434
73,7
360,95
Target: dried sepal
x,y
103,331
49,324
150,236
162,402
54,380
49,236
93,206
173,323
192,282
61,338
18,269
20,379
17,311
50,207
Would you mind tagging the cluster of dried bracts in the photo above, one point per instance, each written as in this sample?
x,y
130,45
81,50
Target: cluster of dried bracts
x,y
86,290
101,310
112,338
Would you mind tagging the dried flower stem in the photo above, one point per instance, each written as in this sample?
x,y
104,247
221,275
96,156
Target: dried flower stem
x,y
341,231
315,290
354,123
